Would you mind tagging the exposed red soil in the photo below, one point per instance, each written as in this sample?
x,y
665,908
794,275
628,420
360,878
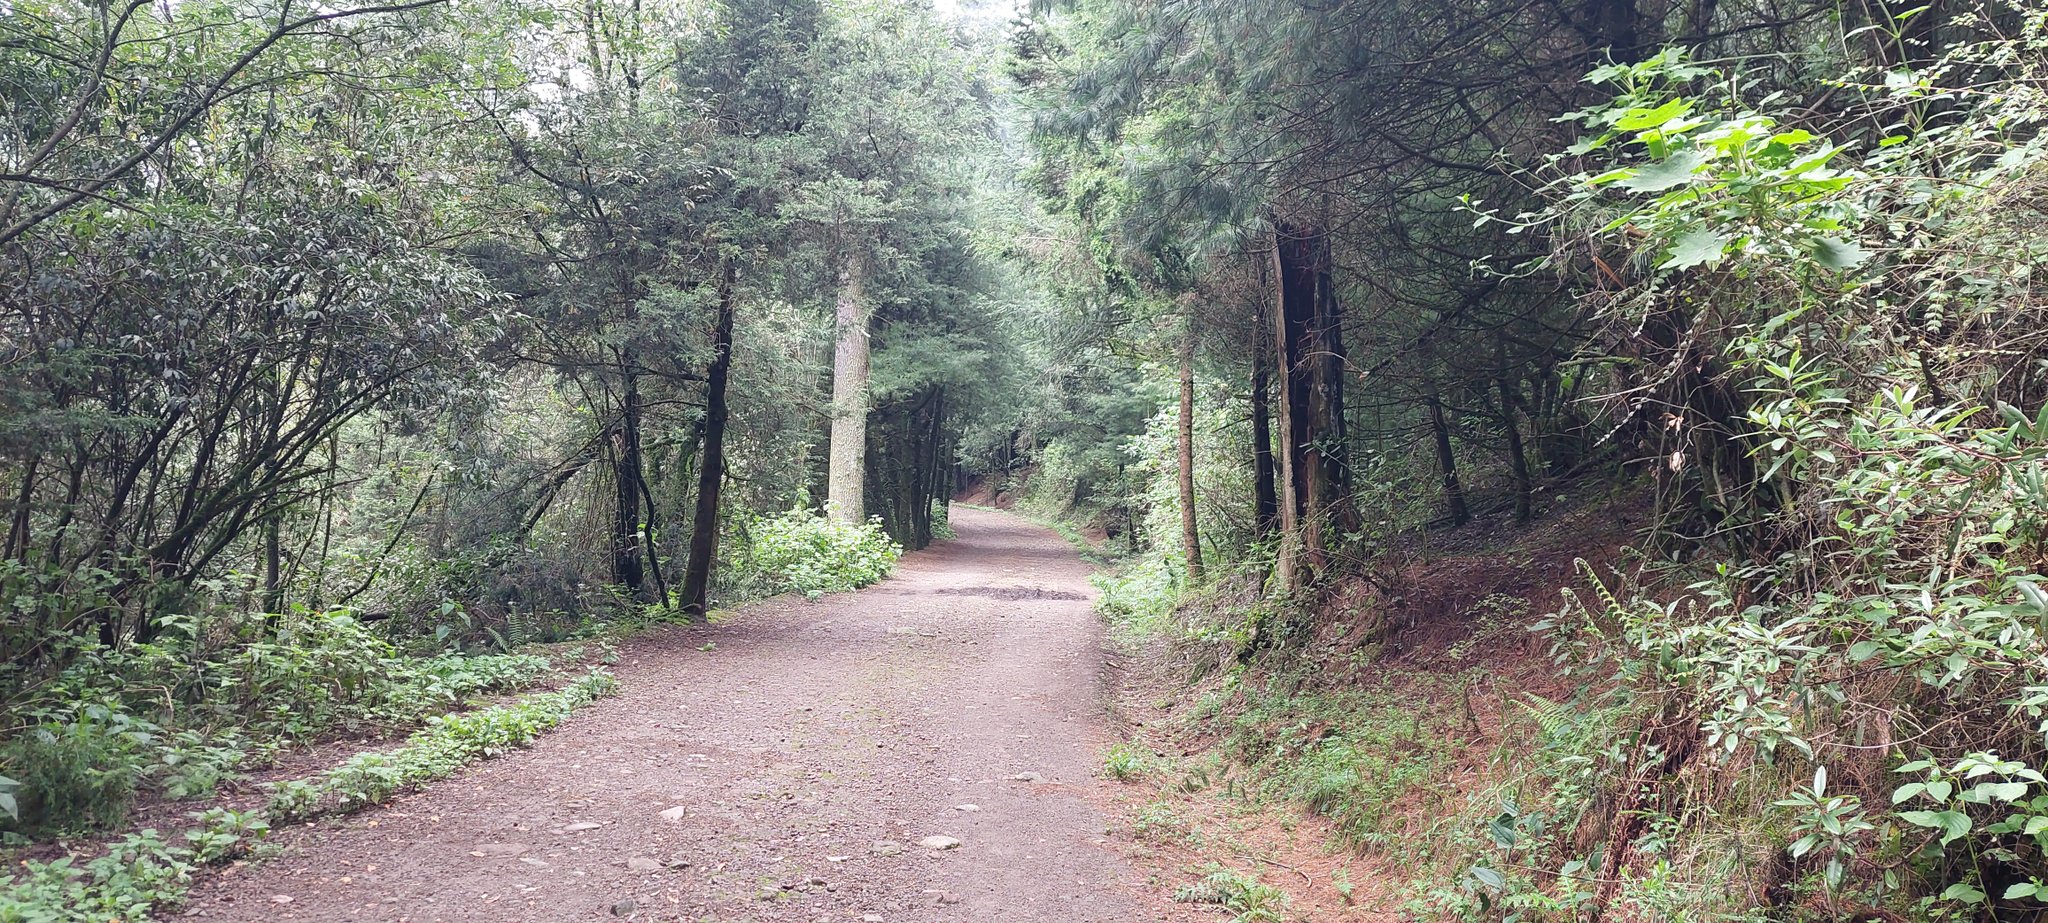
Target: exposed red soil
x,y
771,767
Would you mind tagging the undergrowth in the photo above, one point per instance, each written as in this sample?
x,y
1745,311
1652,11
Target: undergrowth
x,y
444,746
1240,893
1826,698
803,551
143,871
1357,757
162,717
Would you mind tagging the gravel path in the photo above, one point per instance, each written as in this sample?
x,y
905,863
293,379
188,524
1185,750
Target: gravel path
x,y
791,772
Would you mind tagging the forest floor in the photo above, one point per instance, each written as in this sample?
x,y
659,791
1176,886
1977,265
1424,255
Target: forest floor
x,y
790,763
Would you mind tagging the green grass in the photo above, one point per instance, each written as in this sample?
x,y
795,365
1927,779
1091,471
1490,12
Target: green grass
x,y
1126,763
1352,756
436,751
143,872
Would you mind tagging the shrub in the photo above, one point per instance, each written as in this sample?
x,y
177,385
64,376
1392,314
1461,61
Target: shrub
x,y
78,773
801,551
1241,893
193,765
163,716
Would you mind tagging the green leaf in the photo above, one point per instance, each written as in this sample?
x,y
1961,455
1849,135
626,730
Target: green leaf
x,y
1964,892
1589,145
2023,889
1675,170
1864,650
1638,119
1611,175
1695,248
2034,596
2001,791
1839,254
1952,824
1489,877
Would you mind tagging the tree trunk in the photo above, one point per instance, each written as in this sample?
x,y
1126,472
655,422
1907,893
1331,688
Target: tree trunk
x,y
1446,459
1518,458
1190,539
938,467
1309,353
626,563
18,537
649,533
1286,288
696,593
1619,27
273,566
1266,501
845,472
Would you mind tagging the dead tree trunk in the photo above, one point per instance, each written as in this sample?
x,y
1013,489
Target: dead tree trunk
x,y
1315,498
1518,457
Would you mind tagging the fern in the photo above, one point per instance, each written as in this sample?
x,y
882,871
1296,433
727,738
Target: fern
x,y
1552,718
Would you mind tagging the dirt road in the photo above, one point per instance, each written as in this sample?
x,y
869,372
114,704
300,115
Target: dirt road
x,y
787,765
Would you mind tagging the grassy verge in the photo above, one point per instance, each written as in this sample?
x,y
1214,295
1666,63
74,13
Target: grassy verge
x,y
143,871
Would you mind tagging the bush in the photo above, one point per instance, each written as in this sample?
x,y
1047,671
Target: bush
x,y
1879,486
79,773
166,717
1125,762
801,551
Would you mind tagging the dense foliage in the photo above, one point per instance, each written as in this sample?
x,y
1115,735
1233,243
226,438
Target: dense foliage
x,y
1773,268
350,350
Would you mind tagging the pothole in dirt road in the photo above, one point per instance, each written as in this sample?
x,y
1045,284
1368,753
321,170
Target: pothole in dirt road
x,y
1008,593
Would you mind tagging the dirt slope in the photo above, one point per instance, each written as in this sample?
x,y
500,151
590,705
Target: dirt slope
x,y
789,772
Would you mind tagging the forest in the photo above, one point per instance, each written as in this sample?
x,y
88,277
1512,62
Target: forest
x,y
1559,459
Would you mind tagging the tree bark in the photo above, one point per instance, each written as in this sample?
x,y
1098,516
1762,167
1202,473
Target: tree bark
x,y
846,479
627,570
1518,458
1190,539
696,591
1265,500
1315,491
1621,28
1446,459
273,566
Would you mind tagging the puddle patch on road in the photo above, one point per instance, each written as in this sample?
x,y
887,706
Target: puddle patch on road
x,y
1008,593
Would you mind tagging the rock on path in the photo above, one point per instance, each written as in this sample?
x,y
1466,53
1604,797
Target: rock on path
x,y
779,772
